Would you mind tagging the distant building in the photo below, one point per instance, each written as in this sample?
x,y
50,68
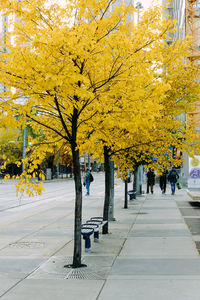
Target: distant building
x,y
3,34
187,15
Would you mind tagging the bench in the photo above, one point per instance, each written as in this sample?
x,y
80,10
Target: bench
x,y
132,195
91,226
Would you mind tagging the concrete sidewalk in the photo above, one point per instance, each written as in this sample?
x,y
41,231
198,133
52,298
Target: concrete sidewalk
x,y
148,255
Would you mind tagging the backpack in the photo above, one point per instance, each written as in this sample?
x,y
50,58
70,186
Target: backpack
x,y
91,178
173,175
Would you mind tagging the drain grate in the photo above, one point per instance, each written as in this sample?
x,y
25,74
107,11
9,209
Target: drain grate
x,y
28,245
67,261
84,273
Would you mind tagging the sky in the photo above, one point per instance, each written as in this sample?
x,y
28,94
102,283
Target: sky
x,y
146,3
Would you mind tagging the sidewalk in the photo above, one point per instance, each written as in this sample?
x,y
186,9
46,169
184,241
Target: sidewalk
x,y
149,254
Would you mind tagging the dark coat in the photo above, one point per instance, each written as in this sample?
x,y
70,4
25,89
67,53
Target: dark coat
x,y
163,177
151,177
173,176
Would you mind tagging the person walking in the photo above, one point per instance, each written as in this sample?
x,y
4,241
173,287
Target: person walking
x,y
87,180
150,180
172,178
163,181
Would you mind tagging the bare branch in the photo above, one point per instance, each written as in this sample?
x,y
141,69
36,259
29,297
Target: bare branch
x,y
48,127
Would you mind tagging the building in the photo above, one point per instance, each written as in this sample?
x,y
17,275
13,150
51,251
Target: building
x,y
187,14
3,34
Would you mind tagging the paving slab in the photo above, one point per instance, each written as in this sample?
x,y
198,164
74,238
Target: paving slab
x,y
161,208
51,289
159,221
153,246
168,226
7,283
183,204
172,213
159,233
159,204
162,267
20,267
151,289
190,211
151,216
54,233
193,225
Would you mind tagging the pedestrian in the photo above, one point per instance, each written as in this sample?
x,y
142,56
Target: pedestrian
x,y
87,180
150,180
172,178
163,181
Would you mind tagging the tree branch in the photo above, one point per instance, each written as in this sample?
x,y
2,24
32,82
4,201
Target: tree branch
x,y
48,127
61,118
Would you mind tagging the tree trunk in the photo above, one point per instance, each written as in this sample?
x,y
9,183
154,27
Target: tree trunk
x,y
135,181
107,189
125,194
111,201
78,209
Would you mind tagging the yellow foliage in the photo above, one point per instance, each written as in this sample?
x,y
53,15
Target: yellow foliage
x,y
85,76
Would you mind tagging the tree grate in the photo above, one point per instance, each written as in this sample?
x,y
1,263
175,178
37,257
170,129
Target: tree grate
x,y
54,268
84,273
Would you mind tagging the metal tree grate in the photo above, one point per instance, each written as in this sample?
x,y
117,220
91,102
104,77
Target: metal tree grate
x,y
54,268
88,273
83,273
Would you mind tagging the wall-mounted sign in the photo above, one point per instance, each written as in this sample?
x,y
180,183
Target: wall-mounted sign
x,y
194,167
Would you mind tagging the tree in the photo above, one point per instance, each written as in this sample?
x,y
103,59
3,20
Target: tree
x,y
70,65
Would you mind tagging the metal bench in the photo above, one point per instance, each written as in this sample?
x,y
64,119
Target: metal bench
x,y
87,230
99,219
132,195
92,226
96,230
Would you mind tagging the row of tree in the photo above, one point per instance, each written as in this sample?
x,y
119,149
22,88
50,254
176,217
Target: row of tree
x,y
87,79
